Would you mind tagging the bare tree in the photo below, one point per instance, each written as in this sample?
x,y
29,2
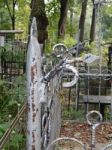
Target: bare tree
x,y
82,20
63,16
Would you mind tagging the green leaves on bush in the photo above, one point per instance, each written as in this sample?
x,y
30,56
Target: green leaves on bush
x,y
72,114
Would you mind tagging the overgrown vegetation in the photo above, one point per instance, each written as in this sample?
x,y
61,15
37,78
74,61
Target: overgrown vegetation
x,y
73,114
12,97
12,94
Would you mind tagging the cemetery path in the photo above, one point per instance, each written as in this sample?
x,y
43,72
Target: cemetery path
x,y
82,132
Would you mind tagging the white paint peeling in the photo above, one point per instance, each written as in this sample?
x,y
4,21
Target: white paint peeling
x,y
33,82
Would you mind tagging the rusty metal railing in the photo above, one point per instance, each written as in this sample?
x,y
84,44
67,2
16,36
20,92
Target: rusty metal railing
x,y
8,132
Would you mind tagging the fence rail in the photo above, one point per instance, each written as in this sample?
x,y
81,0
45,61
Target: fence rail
x,y
43,104
8,132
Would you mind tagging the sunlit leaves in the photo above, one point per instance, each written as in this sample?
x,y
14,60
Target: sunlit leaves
x,y
107,22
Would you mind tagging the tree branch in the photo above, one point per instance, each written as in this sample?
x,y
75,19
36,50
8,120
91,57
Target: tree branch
x,y
9,9
15,2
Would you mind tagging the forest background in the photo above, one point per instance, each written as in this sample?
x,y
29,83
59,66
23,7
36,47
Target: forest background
x,y
67,21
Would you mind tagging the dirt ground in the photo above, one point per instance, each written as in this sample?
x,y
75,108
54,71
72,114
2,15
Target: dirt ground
x,y
82,132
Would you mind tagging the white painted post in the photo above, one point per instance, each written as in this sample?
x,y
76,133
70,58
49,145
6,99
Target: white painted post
x,y
33,83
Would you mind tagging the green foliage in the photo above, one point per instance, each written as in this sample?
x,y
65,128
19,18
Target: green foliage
x,y
108,114
5,22
69,41
3,127
12,97
21,15
12,94
52,7
53,13
16,141
72,114
106,22
96,49
15,56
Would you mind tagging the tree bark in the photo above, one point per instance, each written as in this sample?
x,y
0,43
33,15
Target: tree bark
x,y
71,22
38,11
82,20
63,16
93,24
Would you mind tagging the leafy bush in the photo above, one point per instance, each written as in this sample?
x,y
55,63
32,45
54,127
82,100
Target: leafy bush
x,y
3,128
16,142
73,114
12,96
68,41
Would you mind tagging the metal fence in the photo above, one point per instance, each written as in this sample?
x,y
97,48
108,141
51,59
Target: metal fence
x,y
42,107
12,94
12,57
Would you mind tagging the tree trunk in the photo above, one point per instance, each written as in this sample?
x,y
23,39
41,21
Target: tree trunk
x,y
93,24
13,15
63,16
71,22
82,20
38,11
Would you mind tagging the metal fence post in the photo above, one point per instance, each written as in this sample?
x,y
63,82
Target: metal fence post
x,y
33,84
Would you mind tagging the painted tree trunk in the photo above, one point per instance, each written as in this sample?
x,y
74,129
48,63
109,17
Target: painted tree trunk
x,y
33,84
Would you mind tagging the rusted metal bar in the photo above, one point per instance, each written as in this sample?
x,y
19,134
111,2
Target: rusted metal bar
x,y
33,84
8,132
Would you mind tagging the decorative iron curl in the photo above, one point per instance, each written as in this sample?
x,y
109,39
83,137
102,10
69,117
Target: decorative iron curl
x,y
107,147
45,128
94,126
66,138
94,112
